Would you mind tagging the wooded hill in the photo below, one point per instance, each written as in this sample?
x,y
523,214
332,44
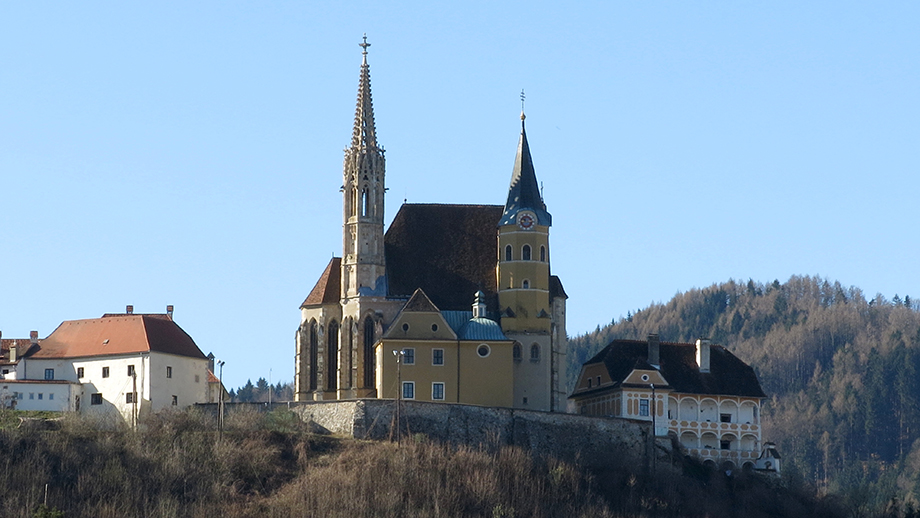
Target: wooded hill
x,y
840,370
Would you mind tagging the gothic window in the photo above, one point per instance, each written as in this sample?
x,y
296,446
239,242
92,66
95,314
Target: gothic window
x,y
314,347
525,284
516,351
542,253
348,341
525,253
364,202
352,201
508,253
369,380
534,353
332,349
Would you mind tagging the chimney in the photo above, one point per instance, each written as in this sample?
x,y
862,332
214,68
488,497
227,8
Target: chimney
x,y
169,311
33,336
14,352
654,352
479,306
702,354
129,309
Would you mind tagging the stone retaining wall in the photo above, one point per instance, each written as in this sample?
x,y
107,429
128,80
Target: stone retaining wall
x,y
589,441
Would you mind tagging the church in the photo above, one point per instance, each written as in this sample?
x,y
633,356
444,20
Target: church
x,y
451,303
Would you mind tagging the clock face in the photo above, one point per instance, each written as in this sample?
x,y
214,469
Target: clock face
x,y
526,221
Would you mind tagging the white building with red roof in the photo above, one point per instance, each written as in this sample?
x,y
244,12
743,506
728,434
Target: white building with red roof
x,y
122,364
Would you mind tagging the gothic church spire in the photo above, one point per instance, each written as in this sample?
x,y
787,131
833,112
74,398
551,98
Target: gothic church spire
x,y
364,133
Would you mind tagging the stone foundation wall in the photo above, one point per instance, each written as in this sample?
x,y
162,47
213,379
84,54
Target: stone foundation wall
x,y
590,441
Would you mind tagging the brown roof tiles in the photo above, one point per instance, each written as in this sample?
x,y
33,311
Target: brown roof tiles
x,y
117,334
329,286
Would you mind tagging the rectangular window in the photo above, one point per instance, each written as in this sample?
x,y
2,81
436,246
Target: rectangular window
x,y
168,372
41,395
643,407
51,395
175,401
409,356
725,418
408,390
20,395
725,445
31,395
131,397
79,372
197,378
437,356
437,391
130,370
96,399
49,374
6,371
105,374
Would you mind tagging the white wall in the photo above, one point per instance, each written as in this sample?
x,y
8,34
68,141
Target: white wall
x,y
37,395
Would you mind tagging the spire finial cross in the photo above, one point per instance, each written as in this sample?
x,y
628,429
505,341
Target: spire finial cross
x,y
522,104
364,44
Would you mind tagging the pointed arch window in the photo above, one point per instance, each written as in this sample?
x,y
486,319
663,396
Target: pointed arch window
x,y
365,206
353,202
508,252
526,284
525,253
314,357
332,350
369,358
535,353
516,351
542,253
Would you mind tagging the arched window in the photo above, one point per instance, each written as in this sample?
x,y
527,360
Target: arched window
x,y
525,253
542,253
525,284
364,202
353,202
535,353
348,340
516,351
369,358
508,253
314,359
332,356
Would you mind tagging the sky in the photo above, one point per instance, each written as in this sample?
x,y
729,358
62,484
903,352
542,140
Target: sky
x,y
190,153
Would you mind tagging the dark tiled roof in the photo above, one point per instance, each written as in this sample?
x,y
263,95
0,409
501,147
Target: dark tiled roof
x,y
329,286
447,250
117,334
24,346
727,374
555,288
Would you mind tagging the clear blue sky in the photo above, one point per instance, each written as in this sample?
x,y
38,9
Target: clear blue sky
x,y
190,153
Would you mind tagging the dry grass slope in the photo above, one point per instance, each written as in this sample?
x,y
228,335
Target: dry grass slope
x,y
269,465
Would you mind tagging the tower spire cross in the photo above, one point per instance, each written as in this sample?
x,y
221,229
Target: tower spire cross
x,y
522,104
364,45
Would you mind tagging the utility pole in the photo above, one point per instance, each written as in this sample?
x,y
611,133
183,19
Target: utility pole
x,y
220,402
654,429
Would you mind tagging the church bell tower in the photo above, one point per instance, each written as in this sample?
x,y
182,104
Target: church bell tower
x,y
363,265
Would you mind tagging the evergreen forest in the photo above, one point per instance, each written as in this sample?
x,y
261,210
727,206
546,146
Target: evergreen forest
x,y
840,370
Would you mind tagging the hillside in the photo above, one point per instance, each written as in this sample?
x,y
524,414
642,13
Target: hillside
x,y
840,370
270,465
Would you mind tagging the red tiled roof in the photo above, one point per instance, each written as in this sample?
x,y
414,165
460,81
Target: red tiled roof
x,y
24,344
329,286
117,334
212,378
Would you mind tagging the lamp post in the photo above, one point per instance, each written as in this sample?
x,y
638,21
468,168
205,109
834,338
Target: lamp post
x,y
220,401
399,356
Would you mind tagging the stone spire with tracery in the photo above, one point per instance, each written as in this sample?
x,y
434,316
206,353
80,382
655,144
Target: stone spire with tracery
x,y
363,268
